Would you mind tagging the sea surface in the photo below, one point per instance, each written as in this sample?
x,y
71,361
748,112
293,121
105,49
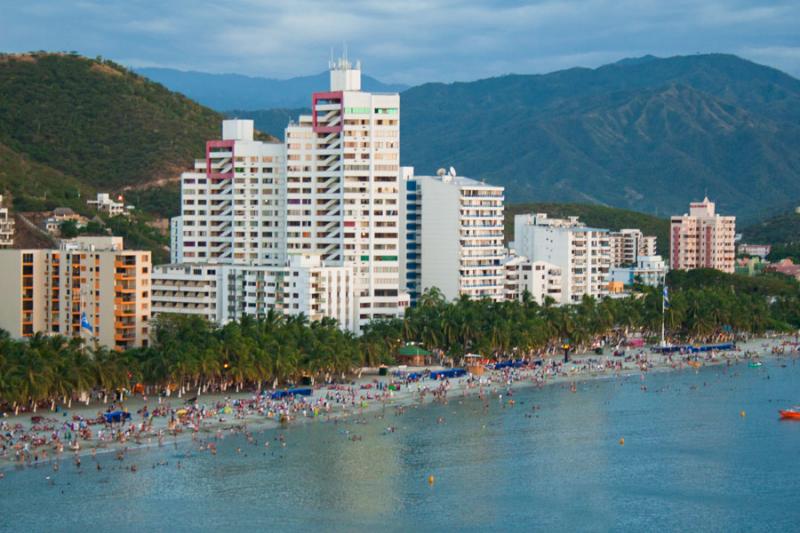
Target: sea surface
x,y
703,451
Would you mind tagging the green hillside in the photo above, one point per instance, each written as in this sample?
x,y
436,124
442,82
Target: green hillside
x,y
596,216
69,123
651,135
781,231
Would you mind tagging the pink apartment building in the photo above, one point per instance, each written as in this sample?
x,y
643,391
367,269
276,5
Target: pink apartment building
x,y
702,239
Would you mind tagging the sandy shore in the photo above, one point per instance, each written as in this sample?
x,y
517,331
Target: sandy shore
x,y
582,367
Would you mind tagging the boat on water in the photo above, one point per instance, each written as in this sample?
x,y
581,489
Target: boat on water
x,y
755,364
790,414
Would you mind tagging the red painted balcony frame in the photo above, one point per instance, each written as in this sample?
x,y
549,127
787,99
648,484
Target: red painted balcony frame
x,y
316,97
219,144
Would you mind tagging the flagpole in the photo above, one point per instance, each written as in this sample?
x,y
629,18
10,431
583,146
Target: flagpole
x,y
663,314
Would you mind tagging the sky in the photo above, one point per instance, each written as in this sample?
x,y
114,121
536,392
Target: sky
x,y
402,41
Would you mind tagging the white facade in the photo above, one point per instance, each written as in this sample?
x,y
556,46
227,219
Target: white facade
x,y
649,270
107,205
221,293
342,188
453,239
6,227
231,204
331,189
628,244
583,254
541,280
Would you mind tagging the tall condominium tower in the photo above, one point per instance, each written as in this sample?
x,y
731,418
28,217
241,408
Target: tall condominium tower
x,y
231,203
342,188
702,239
454,236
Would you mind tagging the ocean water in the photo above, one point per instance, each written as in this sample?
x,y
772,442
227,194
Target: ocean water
x,y
552,462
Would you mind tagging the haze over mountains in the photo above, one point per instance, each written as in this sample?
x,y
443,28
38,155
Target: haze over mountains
x,y
647,134
235,91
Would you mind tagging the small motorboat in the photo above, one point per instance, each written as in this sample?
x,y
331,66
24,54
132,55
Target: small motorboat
x,y
755,364
790,414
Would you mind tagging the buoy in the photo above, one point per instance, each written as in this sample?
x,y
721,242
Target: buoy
x,y
622,441
431,480
742,414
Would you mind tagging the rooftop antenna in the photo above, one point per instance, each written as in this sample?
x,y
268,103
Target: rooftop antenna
x,y
344,54
331,64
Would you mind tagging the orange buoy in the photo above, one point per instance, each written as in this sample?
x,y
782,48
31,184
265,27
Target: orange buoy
x,y
622,441
431,480
742,414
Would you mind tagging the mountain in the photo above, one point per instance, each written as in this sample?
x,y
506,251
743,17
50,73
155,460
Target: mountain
x,y
234,91
778,229
649,134
597,216
70,126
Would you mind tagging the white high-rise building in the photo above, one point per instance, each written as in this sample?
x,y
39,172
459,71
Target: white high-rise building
x,y
331,190
231,204
453,238
342,188
582,253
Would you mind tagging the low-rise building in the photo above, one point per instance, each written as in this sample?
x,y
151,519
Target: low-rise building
x,y
754,250
90,288
105,204
541,280
224,292
648,270
785,266
582,253
6,227
750,266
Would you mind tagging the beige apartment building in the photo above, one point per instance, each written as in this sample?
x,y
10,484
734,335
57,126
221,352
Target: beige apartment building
x,y
50,291
702,239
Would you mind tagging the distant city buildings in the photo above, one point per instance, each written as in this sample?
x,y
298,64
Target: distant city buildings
x,y
90,288
702,239
583,254
6,227
786,267
648,270
452,237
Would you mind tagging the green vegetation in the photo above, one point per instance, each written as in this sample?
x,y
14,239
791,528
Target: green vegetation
x,y
781,231
649,135
188,352
598,216
138,235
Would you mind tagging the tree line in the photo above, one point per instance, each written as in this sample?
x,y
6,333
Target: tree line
x,y
188,354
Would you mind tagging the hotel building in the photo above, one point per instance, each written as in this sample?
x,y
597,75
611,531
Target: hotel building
x,y
582,253
49,291
628,244
541,280
221,293
453,238
702,239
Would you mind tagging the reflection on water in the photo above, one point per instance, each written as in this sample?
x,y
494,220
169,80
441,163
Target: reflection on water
x,y
553,461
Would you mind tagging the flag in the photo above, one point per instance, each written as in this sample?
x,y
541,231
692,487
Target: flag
x,y
666,297
85,323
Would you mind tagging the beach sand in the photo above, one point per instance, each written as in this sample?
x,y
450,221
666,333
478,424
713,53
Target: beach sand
x,y
586,366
